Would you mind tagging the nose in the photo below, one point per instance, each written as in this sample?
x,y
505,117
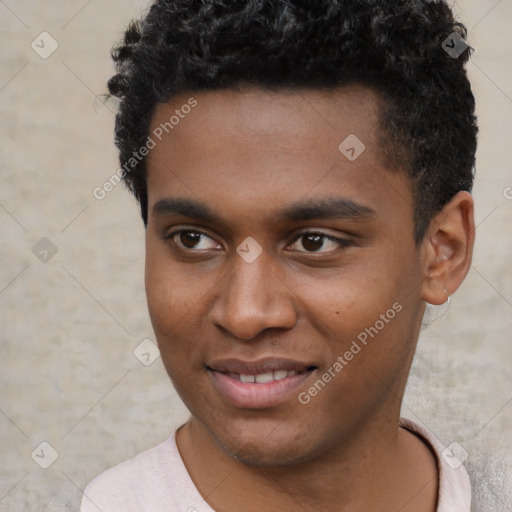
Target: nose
x,y
252,297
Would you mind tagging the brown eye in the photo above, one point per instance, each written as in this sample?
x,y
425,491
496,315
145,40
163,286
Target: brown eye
x,y
312,241
190,238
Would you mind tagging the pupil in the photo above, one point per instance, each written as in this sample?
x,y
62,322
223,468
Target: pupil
x,y
189,239
313,242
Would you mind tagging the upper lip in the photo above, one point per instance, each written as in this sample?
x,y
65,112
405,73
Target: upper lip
x,y
259,366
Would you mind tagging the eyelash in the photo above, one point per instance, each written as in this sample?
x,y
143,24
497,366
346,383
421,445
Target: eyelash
x,y
342,243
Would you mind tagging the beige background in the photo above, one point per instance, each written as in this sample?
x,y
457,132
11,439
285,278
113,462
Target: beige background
x,y
68,375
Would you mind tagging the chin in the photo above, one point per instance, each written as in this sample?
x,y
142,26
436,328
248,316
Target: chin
x,y
265,447
262,456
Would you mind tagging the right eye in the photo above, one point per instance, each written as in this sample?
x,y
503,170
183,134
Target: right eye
x,y
192,239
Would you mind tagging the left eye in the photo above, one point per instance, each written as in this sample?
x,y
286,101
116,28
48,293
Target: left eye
x,y
311,242
319,242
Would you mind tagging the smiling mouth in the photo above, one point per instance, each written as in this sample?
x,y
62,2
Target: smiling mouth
x,y
264,378
259,385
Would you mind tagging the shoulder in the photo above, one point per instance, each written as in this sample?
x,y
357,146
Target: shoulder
x,y
454,483
132,485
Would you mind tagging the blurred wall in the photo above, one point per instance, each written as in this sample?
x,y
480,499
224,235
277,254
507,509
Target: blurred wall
x,y
72,300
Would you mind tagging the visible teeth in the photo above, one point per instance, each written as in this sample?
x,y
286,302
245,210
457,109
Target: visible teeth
x,y
263,378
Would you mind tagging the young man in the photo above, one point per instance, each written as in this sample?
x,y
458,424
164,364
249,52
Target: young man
x,y
304,174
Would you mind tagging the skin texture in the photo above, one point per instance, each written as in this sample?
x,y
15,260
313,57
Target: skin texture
x,y
248,154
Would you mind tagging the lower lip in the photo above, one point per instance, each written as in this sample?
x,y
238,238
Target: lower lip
x,y
249,395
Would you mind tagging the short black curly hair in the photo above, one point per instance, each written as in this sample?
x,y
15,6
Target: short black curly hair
x,y
397,47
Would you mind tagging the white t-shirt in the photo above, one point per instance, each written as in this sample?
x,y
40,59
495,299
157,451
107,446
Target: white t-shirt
x,y
157,481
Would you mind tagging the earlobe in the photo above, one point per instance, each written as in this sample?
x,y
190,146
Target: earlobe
x,y
448,248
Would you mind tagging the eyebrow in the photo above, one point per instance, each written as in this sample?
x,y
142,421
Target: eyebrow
x,y
328,208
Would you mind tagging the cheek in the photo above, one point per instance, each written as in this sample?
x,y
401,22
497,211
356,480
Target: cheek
x,y
178,305
164,305
367,315
346,302
169,310
170,295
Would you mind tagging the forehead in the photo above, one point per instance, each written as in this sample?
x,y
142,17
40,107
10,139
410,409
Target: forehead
x,y
257,148
274,117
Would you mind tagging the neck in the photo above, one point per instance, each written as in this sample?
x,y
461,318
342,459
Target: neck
x,y
382,468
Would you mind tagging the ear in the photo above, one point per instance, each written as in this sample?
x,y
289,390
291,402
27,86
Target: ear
x,y
447,249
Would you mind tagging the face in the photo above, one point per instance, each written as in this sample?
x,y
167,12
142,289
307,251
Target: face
x,y
282,277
